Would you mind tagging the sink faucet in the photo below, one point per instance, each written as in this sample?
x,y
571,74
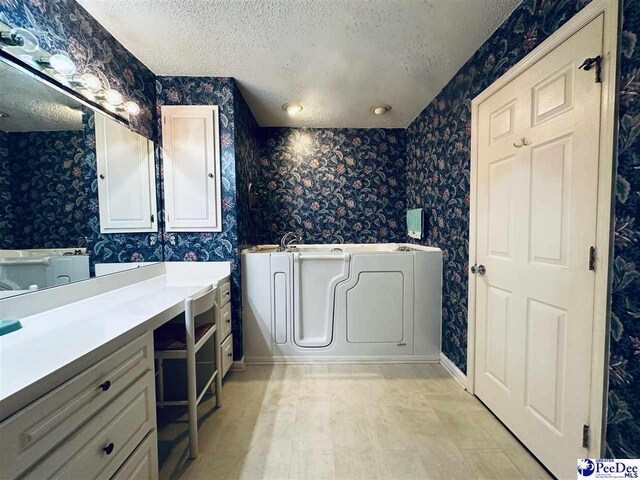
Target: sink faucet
x,y
287,239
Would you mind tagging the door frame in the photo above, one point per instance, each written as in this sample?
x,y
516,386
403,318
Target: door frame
x,y
604,216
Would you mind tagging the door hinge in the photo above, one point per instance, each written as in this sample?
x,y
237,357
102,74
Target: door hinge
x,y
592,258
153,218
590,62
585,436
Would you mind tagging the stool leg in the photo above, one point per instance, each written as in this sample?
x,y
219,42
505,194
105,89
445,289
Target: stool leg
x,y
191,382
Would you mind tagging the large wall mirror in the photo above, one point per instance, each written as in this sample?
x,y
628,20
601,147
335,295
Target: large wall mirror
x,y
64,167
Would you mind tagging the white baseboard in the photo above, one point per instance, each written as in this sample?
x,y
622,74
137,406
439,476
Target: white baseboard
x,y
238,365
305,360
455,372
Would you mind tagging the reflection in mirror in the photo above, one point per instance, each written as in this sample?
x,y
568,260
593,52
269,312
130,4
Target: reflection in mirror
x,y
47,183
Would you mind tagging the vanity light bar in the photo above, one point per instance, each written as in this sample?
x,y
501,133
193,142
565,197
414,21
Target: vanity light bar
x,y
23,44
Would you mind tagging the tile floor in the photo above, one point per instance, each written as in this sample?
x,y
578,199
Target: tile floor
x,y
386,421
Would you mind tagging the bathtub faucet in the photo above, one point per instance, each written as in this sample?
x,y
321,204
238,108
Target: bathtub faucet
x,y
287,239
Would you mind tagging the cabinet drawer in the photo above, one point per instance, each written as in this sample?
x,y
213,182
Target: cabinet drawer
x,y
225,321
224,294
101,446
142,464
227,354
38,428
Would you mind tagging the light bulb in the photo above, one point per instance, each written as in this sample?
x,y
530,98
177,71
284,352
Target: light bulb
x,y
132,108
113,97
20,38
62,64
90,82
292,108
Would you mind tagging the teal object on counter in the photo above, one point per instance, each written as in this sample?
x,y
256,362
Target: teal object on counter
x,y
8,326
414,223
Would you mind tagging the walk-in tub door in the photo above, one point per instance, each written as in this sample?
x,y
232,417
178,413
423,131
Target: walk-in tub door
x,y
315,277
375,306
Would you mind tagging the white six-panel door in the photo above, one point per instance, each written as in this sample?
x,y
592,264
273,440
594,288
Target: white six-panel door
x,y
191,155
536,221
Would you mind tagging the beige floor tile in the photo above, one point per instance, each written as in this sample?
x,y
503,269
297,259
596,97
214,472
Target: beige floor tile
x,y
388,431
350,432
356,466
312,466
528,466
345,421
312,427
491,465
400,465
442,459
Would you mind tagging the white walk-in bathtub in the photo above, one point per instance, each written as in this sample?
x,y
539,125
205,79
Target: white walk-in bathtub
x,y
342,302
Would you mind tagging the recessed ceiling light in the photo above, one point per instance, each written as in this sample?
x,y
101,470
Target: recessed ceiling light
x,y
380,109
292,108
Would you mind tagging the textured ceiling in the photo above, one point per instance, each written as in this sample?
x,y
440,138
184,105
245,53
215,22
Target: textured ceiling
x,y
32,106
336,57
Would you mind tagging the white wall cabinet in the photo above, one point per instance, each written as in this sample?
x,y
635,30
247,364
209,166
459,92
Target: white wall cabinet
x,y
191,155
126,179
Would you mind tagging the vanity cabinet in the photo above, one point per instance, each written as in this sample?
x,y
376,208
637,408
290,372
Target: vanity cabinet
x,y
91,425
126,179
191,156
223,312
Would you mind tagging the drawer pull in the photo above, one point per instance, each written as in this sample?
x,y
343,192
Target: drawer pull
x,y
105,386
109,448
229,354
227,293
228,320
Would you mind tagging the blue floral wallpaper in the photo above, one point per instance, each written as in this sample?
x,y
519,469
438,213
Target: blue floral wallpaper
x,y
623,416
247,170
198,246
7,208
50,202
332,185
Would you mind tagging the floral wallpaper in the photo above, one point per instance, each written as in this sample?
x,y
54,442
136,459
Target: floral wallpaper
x,y
247,170
332,185
623,416
50,202
199,246
64,26
7,207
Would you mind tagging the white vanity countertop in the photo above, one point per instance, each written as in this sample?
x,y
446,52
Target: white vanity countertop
x,y
57,344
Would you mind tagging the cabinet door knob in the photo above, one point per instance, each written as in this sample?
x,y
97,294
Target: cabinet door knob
x,y
102,176
105,386
211,175
229,354
228,320
109,448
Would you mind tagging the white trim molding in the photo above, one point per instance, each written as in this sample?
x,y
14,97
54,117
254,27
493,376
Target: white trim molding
x,y
610,10
239,365
455,372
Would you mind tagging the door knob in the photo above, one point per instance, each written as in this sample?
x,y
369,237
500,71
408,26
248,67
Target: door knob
x,y
479,269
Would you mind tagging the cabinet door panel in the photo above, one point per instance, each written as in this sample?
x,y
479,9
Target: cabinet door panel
x,y
126,179
191,156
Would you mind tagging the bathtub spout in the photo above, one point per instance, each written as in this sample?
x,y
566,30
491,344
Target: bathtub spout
x,y
287,239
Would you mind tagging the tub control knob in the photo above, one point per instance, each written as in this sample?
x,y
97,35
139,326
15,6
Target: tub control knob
x,y
479,269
